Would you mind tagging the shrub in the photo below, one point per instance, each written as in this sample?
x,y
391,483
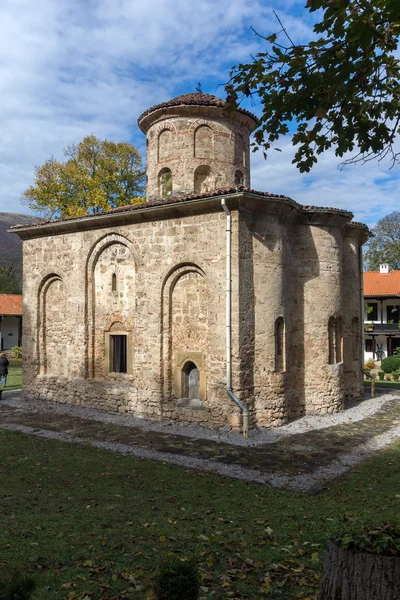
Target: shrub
x,y
390,364
16,586
177,579
383,540
370,364
381,375
17,351
396,375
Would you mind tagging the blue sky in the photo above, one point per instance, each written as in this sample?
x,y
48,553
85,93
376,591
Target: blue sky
x,y
69,68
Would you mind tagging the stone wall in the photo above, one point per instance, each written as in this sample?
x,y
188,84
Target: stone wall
x,y
201,148
160,281
170,285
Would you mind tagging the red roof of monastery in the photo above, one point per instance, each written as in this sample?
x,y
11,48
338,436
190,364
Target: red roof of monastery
x,y
10,304
382,284
182,199
195,99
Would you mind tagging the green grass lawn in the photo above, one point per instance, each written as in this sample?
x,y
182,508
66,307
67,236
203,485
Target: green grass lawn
x,y
383,384
14,379
90,524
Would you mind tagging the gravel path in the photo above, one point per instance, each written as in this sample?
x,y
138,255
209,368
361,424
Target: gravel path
x,y
304,455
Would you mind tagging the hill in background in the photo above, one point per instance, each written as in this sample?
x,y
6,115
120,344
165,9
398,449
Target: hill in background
x,y
11,248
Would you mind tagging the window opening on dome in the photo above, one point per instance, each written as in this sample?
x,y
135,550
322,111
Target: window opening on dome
x,y
238,178
165,183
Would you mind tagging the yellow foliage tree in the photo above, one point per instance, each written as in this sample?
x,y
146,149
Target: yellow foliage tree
x,y
98,175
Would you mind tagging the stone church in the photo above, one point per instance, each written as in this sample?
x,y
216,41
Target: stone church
x,y
210,303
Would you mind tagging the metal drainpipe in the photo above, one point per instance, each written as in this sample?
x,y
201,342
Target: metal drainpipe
x,y
241,405
360,259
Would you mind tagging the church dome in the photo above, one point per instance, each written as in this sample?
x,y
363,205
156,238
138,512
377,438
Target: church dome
x,y
194,99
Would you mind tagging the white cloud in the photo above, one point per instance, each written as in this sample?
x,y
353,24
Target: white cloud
x,y
69,68
369,191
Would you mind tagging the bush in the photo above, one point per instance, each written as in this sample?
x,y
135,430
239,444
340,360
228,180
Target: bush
x,y
381,375
177,579
370,364
383,540
16,586
17,351
390,364
396,375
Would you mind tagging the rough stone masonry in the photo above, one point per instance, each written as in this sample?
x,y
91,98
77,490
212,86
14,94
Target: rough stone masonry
x,y
125,310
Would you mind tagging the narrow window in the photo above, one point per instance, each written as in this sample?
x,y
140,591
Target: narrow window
x,y
190,381
356,338
279,344
335,336
165,183
114,282
339,337
332,340
238,178
118,353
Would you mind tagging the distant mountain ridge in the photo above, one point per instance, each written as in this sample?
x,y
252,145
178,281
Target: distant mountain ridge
x,y
11,244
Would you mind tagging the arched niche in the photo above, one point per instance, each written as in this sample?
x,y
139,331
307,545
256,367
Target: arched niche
x,y
164,146
240,150
184,325
110,297
203,142
202,179
53,332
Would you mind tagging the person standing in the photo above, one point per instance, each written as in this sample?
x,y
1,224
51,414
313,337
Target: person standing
x,y
3,369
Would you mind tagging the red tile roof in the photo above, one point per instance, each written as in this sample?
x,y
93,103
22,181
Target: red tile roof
x,y
182,199
10,304
195,99
382,284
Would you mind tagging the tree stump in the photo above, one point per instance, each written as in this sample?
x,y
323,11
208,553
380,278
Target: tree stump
x,y
356,576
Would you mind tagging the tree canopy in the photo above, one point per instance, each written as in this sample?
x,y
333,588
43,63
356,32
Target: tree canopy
x,y
341,90
384,246
10,283
97,175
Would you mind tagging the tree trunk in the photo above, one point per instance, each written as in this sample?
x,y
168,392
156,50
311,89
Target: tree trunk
x,y
354,576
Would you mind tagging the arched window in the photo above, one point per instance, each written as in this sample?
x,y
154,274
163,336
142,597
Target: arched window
x,y
114,282
165,183
279,344
334,340
238,178
202,180
190,381
203,142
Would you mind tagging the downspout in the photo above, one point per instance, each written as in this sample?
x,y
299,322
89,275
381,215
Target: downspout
x,y
241,405
362,300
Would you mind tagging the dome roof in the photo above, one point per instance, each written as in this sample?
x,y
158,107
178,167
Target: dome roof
x,y
194,99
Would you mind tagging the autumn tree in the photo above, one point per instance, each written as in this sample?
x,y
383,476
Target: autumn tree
x,y
98,175
340,91
384,246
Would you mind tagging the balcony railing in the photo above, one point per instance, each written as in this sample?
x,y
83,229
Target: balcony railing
x,y
384,327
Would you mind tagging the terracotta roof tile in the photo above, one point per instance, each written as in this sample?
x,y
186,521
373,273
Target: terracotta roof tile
x,y
382,284
10,304
182,199
194,99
